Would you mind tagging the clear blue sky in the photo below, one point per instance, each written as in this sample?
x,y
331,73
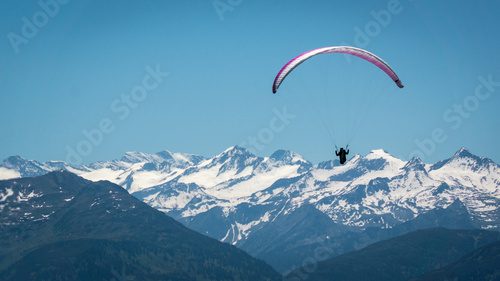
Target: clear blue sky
x,y
63,77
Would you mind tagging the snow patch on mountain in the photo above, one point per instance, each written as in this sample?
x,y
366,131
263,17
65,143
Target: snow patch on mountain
x,y
7,174
248,191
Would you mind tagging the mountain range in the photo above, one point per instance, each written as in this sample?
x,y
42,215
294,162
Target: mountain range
x,y
480,264
62,227
286,210
430,254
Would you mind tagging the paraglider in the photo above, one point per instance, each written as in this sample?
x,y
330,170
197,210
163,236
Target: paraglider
x,y
363,54
342,154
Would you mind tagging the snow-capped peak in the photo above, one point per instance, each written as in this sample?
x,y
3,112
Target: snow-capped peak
x,y
234,151
233,157
415,164
287,156
22,167
379,154
464,159
167,155
138,157
355,158
180,158
328,165
463,152
13,161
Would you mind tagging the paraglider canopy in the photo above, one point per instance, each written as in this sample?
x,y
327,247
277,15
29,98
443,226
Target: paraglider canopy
x,y
370,57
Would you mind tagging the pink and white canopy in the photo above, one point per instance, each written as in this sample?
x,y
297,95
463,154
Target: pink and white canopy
x,y
291,65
